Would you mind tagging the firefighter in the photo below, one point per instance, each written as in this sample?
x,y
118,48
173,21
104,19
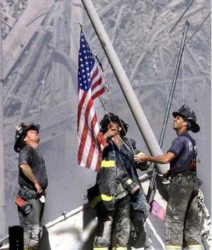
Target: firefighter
x,y
120,204
182,227
33,182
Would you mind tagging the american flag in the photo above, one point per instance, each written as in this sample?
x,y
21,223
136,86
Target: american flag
x,y
89,87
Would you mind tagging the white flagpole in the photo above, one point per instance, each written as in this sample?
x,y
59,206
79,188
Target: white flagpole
x,y
125,85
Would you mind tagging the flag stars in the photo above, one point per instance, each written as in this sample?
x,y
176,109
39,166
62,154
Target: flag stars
x,y
86,65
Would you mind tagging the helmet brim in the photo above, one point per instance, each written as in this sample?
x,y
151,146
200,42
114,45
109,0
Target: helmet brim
x,y
23,134
194,126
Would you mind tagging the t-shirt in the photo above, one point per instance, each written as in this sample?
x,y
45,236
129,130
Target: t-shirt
x,y
34,159
185,150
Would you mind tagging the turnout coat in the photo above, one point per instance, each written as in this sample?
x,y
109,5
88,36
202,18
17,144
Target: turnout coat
x,y
117,173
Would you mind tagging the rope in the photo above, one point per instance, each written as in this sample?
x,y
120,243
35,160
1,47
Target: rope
x,y
183,78
200,26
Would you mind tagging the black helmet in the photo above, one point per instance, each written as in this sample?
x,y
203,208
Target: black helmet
x,y
21,133
189,116
110,117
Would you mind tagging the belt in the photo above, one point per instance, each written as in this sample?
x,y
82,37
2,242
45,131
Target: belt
x,y
29,191
185,173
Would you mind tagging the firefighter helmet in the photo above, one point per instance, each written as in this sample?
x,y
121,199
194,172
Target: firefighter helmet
x,y
189,116
21,133
110,117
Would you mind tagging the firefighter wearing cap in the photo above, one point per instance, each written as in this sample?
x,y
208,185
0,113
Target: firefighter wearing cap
x,y
182,222
33,183
119,193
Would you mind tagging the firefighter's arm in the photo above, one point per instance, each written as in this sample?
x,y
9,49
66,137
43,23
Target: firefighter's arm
x,y
27,171
111,133
142,165
161,159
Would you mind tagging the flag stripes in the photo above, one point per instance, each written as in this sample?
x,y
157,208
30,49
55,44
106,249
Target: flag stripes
x,y
89,88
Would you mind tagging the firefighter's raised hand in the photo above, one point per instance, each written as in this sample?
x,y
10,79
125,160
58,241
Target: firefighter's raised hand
x,y
113,130
110,133
113,133
140,157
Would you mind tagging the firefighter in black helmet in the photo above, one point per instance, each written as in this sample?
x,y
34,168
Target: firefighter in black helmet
x,y
182,222
33,182
120,201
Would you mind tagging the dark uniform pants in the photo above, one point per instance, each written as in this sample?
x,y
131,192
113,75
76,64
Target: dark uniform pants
x,y
115,223
182,222
31,222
